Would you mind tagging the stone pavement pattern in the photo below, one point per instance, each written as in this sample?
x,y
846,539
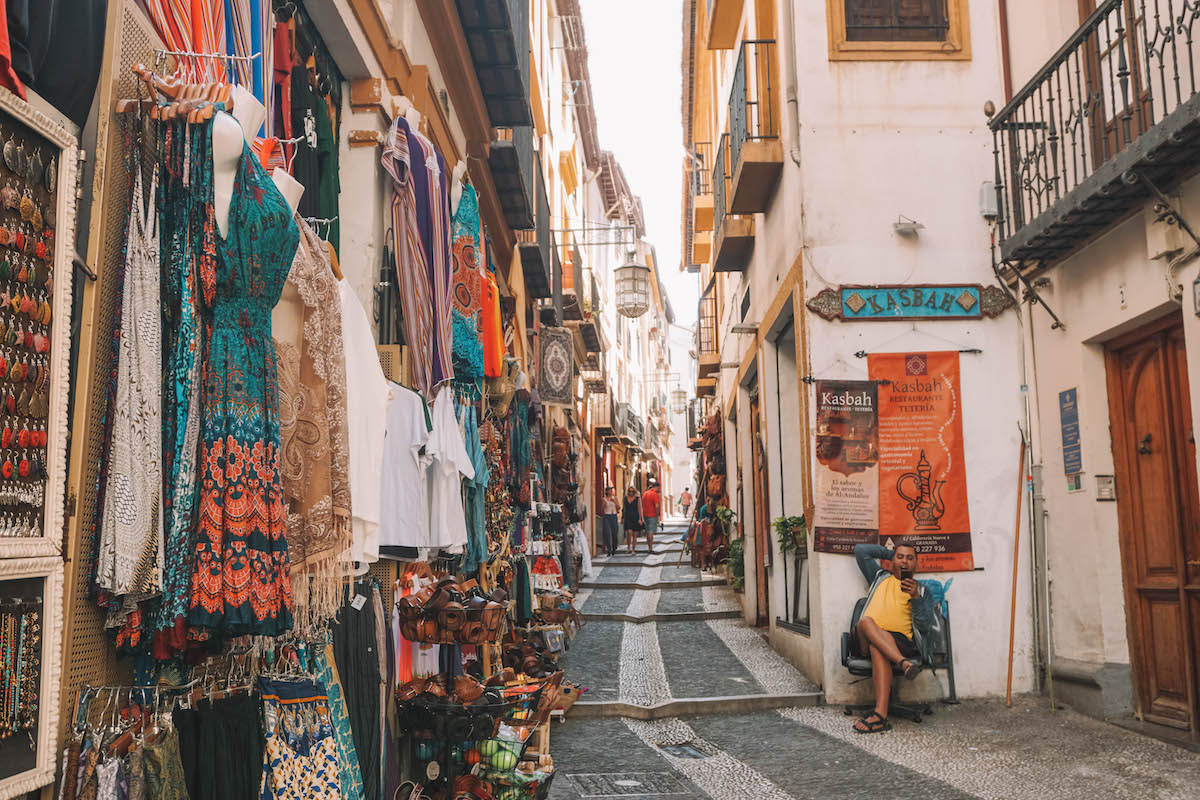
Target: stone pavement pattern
x,y
978,749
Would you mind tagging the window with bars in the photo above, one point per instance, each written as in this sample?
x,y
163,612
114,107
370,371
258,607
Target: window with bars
x,y
897,20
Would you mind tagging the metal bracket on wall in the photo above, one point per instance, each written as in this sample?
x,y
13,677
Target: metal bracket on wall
x,y
1166,212
1033,295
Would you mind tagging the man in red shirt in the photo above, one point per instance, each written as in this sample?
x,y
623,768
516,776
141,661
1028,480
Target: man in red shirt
x,y
651,509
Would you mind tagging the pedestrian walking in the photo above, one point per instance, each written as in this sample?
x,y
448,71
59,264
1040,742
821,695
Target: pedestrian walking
x,y
632,519
685,500
610,521
651,511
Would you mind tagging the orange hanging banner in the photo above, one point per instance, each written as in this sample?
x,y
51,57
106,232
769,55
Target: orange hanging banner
x,y
922,472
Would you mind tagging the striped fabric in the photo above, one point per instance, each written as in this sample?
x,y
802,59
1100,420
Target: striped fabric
x,y
436,241
416,293
193,26
269,153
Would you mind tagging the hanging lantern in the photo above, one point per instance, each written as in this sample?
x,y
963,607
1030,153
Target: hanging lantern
x,y
633,289
678,401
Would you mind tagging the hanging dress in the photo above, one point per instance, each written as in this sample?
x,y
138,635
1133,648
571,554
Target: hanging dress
x,y
466,289
241,582
132,528
186,228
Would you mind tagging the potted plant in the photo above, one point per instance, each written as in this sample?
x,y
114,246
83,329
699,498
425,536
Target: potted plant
x,y
737,565
792,533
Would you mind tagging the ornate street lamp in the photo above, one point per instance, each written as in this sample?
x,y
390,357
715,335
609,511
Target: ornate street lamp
x,y
633,288
678,401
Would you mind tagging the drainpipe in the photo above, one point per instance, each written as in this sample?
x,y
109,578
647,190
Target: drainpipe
x,y
791,90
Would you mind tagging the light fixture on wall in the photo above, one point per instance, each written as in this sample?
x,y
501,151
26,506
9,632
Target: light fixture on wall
x,y
633,288
679,401
908,228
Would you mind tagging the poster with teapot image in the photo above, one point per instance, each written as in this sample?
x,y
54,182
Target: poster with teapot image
x,y
922,472
847,475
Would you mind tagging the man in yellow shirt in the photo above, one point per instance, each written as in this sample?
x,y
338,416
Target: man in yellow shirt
x,y
885,629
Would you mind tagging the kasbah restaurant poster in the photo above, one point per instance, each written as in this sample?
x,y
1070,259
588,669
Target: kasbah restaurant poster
x,y
922,472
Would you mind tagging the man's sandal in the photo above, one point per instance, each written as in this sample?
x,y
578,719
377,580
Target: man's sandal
x,y
913,669
874,723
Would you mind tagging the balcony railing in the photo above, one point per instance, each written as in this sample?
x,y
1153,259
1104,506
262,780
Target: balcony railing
x,y
511,160
752,115
701,168
1111,117
707,316
539,256
720,182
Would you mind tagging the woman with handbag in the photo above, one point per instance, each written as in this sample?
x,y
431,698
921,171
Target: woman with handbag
x,y
632,519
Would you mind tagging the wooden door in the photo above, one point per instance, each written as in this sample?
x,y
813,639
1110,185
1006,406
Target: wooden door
x,y
762,525
1154,454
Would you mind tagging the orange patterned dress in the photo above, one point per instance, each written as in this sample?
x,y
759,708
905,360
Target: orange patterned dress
x,y
241,582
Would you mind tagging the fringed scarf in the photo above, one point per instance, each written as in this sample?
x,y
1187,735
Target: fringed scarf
x,y
315,452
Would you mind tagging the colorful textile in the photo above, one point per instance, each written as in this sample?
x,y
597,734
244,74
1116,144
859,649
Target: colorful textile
x,y
315,450
188,238
349,776
300,760
465,242
241,581
421,225
491,331
475,489
132,530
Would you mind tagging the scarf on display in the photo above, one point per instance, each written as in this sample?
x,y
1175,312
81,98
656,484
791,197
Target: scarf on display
x,y
315,451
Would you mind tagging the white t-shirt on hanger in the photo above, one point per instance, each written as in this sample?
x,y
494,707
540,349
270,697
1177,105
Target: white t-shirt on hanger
x,y
405,485
367,397
449,465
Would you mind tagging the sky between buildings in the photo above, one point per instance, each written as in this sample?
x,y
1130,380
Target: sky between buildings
x,y
634,57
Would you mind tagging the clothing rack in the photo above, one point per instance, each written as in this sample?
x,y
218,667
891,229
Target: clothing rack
x,y
162,53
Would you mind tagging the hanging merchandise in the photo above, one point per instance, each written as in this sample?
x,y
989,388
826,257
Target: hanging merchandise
x,y
241,582
556,366
315,452
421,227
38,161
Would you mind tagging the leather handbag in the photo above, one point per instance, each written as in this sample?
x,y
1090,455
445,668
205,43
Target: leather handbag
x,y
716,485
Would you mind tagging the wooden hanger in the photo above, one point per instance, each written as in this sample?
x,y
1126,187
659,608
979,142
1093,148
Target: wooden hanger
x,y
333,261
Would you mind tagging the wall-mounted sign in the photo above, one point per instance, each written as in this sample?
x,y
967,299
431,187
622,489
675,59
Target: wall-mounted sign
x,y
910,301
922,471
1068,414
847,478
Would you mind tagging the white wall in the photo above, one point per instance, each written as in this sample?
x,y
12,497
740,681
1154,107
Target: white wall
x,y
880,140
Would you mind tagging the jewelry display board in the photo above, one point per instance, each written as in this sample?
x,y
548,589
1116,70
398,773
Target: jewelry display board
x,y
30,671
38,164
37,231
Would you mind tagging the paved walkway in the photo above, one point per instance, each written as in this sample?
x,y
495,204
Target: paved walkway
x,y
685,701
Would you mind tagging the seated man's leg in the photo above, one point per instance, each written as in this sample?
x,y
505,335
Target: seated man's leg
x,y
869,633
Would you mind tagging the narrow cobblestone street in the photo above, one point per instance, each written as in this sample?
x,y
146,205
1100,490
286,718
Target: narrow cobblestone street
x,y
685,700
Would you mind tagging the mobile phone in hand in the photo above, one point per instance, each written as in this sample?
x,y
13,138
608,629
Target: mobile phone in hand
x,y
906,574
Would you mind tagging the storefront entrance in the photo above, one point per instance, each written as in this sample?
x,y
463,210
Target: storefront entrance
x,y
1154,454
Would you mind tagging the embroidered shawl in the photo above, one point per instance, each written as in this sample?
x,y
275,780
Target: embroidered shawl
x,y
315,452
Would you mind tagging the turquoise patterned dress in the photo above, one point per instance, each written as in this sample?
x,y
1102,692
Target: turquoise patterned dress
x,y
240,579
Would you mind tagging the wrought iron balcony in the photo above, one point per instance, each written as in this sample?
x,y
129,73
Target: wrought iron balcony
x,y
497,33
733,236
604,414
1110,121
511,160
701,186
539,256
755,152
701,168
708,356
